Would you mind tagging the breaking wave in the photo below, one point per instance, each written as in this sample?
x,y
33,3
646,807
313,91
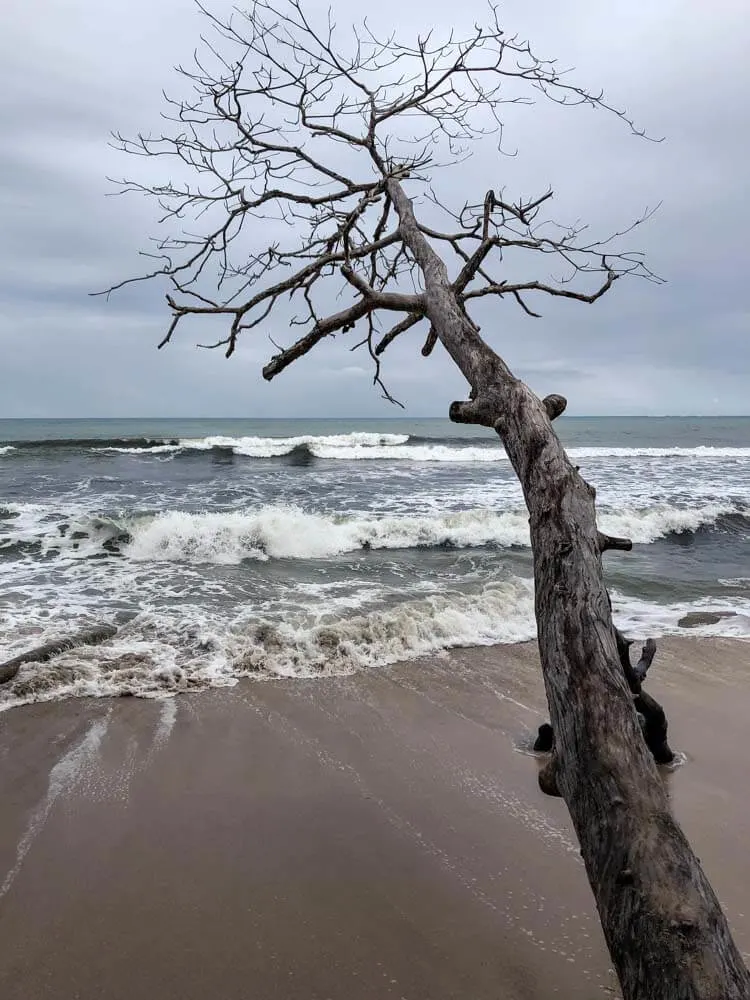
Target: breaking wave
x,y
290,533
646,526
355,446
401,447
287,532
152,655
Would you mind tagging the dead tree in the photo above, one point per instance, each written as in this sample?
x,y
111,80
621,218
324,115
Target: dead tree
x,y
297,160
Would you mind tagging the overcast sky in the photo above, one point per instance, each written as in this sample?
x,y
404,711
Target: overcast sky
x,y
73,70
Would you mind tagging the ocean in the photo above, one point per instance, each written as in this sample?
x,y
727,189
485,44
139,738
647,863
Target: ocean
x,y
230,548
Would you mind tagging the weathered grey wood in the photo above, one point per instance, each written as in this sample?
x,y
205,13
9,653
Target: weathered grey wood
x,y
88,637
651,716
654,727
665,929
623,651
607,542
548,777
647,656
555,405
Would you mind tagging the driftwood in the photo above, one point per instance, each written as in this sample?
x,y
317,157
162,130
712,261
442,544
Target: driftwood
x,y
664,926
354,237
88,637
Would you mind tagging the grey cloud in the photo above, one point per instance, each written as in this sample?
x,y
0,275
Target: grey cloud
x,y
681,347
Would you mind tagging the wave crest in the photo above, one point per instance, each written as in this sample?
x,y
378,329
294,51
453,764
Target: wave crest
x,y
155,655
646,526
287,532
291,533
366,446
360,445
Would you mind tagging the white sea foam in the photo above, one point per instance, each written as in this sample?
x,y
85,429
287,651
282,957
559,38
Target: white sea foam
x,y
26,522
639,618
412,453
493,452
500,613
644,526
155,449
82,535
6,448
289,532
259,447
702,451
156,654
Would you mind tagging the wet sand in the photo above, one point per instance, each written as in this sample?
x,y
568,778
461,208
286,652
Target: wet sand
x,y
366,837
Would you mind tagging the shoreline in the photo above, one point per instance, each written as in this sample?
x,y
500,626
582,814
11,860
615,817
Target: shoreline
x,y
374,835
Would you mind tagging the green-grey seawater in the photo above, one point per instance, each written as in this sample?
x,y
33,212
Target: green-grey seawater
x,y
230,547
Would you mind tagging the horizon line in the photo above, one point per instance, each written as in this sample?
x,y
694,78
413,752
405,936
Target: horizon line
x,y
565,416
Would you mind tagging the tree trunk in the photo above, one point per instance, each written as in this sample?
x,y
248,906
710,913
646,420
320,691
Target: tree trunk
x,y
664,927
89,637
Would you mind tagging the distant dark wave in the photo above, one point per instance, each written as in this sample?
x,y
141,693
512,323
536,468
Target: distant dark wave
x,y
353,446
88,444
454,441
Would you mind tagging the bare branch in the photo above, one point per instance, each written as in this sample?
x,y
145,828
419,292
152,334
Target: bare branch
x,y
343,321
280,158
539,286
289,179
401,327
429,344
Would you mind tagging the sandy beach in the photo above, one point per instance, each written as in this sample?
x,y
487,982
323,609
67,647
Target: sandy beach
x,y
372,836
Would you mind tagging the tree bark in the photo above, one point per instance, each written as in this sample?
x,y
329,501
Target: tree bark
x,y
664,927
39,654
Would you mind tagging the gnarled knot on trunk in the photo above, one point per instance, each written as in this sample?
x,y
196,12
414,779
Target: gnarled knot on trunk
x,y
548,777
554,404
472,411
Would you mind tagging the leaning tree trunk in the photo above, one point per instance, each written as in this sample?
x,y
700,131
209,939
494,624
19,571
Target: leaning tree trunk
x,y
664,926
